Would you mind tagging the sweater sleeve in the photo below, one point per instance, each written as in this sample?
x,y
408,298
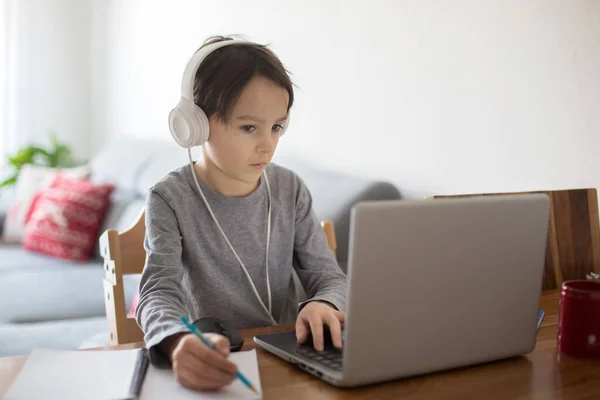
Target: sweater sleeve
x,y
316,265
160,305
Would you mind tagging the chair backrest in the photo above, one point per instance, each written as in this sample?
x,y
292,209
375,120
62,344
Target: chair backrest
x,y
573,249
124,254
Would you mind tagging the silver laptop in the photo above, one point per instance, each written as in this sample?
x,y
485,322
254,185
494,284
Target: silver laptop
x,y
433,285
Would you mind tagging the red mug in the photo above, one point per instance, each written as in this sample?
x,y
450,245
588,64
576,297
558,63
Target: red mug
x,y
579,319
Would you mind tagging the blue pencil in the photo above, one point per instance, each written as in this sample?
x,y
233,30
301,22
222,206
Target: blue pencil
x,y
199,334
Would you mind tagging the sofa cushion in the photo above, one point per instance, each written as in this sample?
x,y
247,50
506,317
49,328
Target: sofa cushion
x,y
334,194
35,287
16,259
7,197
65,218
170,157
21,338
31,180
134,164
120,216
122,160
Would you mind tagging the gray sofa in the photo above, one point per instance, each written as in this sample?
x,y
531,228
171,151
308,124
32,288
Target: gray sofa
x,y
47,302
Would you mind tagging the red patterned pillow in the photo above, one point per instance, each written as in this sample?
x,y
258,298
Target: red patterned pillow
x,y
63,220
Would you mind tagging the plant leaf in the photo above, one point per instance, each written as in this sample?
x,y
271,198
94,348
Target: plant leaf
x,y
9,181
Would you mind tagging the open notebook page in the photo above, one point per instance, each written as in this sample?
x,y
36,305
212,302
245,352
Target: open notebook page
x,y
70,374
161,383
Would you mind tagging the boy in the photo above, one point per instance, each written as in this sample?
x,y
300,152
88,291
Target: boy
x,y
223,234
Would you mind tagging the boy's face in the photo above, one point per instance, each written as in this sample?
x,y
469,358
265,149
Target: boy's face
x,y
239,149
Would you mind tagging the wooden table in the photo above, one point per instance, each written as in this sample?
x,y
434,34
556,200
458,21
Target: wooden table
x,y
538,375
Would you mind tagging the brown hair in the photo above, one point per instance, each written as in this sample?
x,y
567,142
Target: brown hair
x,y
222,76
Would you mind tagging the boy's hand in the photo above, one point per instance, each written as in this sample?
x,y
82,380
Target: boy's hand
x,y
312,318
197,367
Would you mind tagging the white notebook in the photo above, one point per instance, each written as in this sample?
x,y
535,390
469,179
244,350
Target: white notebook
x,y
160,384
110,374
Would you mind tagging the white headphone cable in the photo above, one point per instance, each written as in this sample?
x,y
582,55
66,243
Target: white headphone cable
x,y
268,311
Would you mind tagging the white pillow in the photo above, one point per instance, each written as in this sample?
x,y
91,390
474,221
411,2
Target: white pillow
x,y
32,179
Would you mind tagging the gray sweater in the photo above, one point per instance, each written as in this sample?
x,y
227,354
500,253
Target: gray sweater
x,y
190,270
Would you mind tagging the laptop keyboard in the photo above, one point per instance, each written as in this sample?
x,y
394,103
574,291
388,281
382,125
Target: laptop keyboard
x,y
330,357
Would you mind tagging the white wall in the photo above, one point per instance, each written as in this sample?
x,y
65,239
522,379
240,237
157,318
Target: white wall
x,y
49,73
4,10
435,96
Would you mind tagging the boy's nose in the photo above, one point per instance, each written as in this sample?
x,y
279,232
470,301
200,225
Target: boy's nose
x,y
267,143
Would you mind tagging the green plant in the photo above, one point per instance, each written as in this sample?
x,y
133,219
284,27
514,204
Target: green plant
x,y
59,155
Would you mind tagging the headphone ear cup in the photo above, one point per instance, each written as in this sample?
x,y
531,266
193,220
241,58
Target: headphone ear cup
x,y
188,124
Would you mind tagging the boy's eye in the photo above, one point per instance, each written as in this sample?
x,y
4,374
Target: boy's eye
x,y
278,127
248,128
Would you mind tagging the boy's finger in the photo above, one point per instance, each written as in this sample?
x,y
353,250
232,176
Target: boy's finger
x,y
219,361
209,356
197,380
210,375
188,374
335,329
220,342
187,379
301,331
316,326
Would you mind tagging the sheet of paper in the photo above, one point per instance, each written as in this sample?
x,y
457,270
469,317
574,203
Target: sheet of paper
x,y
161,384
66,375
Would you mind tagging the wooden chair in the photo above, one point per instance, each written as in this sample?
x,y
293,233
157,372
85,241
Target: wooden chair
x,y
124,254
573,249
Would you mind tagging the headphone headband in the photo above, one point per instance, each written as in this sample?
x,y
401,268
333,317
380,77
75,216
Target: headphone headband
x,y
189,75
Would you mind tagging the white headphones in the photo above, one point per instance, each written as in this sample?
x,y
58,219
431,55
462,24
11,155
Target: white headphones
x,y
188,123
189,127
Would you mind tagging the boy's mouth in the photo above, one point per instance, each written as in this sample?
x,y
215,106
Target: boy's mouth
x,y
258,165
